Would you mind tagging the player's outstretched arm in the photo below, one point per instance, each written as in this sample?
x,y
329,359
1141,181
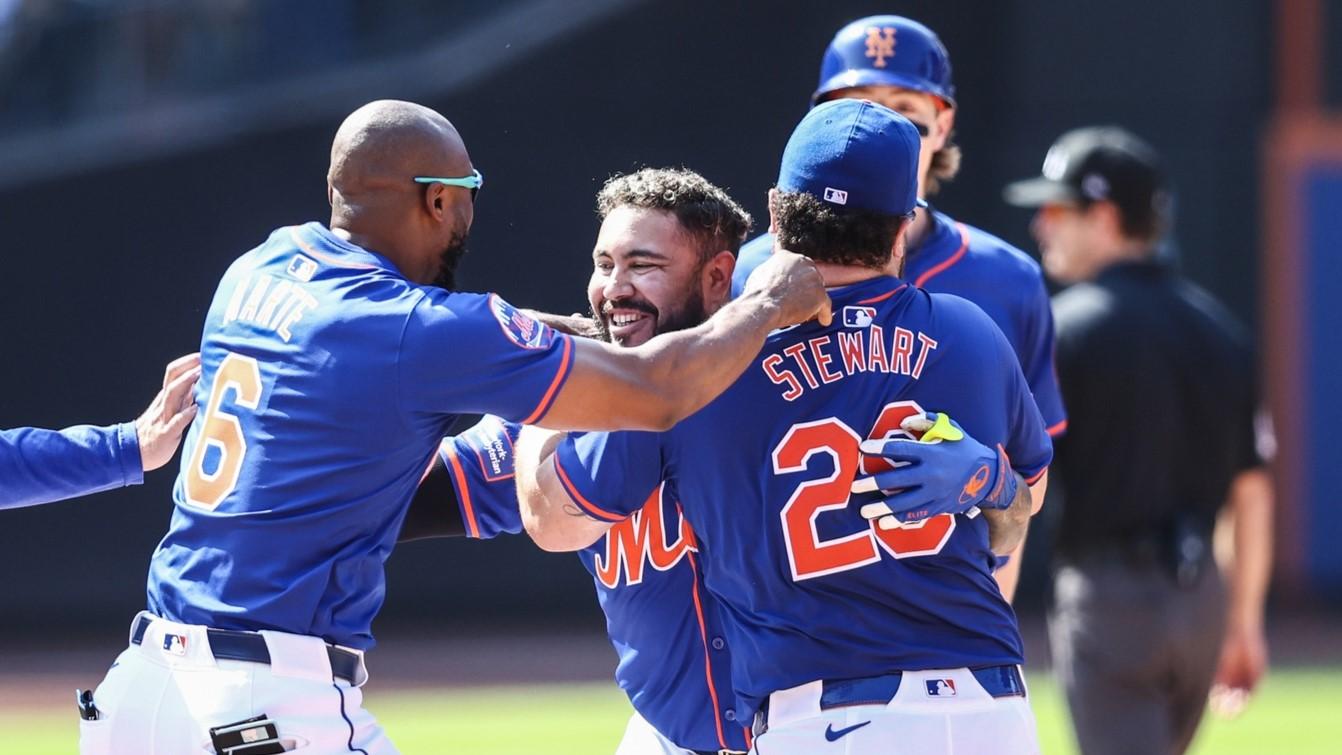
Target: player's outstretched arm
x,y
654,386
41,466
549,514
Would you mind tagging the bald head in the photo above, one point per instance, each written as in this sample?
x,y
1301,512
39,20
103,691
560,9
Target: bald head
x,y
384,144
376,203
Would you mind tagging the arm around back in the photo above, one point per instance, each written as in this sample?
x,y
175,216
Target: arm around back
x,y
654,386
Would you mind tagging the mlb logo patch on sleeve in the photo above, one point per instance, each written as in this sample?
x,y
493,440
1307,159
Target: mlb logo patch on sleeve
x,y
520,328
858,317
940,687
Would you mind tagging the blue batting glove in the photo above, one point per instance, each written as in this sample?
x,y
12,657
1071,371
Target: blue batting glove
x,y
945,471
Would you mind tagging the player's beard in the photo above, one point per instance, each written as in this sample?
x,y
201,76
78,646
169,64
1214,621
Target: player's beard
x,y
447,265
690,313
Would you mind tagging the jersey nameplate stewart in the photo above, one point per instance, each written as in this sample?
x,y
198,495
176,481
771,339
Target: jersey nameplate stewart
x,y
957,258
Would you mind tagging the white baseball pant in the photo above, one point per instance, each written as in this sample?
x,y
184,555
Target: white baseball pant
x,y
162,696
954,716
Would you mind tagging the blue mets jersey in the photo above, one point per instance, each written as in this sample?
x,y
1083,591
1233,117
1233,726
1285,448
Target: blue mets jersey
x,y
956,258
674,660
328,381
40,466
808,589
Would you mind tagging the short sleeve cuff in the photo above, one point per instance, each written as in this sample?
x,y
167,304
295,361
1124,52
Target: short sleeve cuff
x,y
565,459
462,486
1032,475
561,376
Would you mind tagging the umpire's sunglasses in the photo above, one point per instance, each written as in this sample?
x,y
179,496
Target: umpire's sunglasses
x,y
472,182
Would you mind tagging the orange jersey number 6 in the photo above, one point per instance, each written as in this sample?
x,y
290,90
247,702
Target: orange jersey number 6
x,y
223,433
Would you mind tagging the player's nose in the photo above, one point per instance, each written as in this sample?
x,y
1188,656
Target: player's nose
x,y
617,286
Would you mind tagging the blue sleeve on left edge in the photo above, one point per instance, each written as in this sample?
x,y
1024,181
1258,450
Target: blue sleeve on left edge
x,y
41,466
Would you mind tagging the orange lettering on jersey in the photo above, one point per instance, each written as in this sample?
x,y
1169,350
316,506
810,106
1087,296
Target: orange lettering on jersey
x,y
822,359
928,345
782,377
850,348
902,350
877,351
641,539
795,351
861,350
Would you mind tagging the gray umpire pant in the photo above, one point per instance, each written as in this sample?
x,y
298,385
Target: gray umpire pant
x,y
1134,652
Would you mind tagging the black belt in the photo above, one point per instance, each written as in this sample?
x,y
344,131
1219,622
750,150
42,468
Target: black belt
x,y
249,646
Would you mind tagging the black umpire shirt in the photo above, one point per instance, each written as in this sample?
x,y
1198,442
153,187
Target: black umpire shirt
x,y
1159,386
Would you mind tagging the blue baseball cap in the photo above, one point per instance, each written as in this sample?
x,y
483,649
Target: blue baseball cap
x,y
854,153
886,50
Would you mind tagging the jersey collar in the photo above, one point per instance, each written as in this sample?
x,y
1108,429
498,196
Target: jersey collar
x,y
943,246
867,292
318,240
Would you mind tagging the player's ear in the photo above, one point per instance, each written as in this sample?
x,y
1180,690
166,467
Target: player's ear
x,y
773,200
717,276
435,200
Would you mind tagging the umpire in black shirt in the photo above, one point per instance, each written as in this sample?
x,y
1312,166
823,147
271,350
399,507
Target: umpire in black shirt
x,y
1159,386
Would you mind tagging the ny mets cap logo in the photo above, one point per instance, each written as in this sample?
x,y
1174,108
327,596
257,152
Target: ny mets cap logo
x,y
520,328
880,44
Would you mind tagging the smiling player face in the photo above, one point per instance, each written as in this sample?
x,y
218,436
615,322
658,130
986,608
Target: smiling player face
x,y
647,277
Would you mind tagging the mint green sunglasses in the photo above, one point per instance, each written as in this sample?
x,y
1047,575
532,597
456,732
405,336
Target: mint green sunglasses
x,y
472,182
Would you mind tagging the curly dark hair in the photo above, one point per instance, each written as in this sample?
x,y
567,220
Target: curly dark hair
x,y
707,213
829,233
